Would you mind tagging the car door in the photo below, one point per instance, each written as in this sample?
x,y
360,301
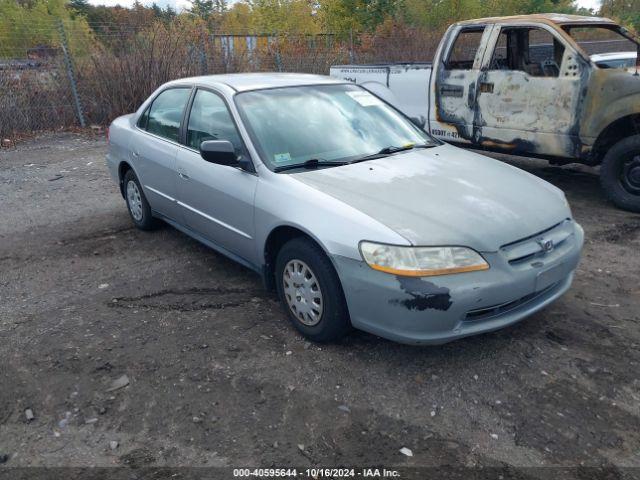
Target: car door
x,y
453,86
154,147
529,92
217,200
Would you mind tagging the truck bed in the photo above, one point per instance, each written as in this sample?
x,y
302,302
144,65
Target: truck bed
x,y
404,85
380,68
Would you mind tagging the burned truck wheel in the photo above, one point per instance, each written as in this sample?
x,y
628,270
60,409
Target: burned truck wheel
x,y
620,174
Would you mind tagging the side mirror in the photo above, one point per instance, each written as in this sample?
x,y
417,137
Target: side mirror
x,y
221,152
418,122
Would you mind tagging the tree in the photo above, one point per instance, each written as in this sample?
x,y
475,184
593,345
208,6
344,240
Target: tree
x,y
220,6
375,12
342,16
295,16
438,14
27,24
202,8
82,7
238,19
169,14
625,11
157,11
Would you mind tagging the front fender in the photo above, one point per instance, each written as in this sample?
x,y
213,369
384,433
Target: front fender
x,y
281,200
612,95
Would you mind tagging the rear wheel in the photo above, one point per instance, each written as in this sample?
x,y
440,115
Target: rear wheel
x,y
620,173
310,291
137,204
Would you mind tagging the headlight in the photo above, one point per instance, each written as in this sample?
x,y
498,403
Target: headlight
x,y
421,261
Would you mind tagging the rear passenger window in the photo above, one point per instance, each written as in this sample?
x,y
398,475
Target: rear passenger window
x,y
464,49
166,112
210,120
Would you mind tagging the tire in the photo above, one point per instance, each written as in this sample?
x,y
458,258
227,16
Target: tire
x,y
137,204
326,322
620,174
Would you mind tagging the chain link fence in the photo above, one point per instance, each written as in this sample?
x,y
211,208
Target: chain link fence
x,y
79,77
35,89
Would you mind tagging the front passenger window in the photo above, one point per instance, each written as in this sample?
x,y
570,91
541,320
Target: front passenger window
x,y
210,120
528,49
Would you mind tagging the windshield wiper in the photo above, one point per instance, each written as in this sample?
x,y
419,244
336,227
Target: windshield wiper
x,y
391,150
308,164
317,162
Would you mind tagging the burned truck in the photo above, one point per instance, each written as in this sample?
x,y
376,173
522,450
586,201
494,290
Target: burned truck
x,y
528,85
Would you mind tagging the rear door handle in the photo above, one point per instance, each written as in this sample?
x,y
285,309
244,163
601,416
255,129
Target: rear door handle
x,y
183,175
486,87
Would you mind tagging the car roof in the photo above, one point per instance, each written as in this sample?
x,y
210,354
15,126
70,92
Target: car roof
x,y
548,18
242,82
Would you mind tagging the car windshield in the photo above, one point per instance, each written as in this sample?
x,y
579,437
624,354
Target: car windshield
x,y
603,39
324,123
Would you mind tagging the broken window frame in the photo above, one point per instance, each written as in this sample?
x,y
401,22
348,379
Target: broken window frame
x,y
481,30
558,43
620,30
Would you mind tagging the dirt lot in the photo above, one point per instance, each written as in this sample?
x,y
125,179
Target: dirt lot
x,y
217,377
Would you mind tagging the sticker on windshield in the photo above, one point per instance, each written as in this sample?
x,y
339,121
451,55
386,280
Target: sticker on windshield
x,y
365,99
282,157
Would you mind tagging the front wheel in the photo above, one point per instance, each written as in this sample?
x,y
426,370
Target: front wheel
x,y
310,291
137,203
620,174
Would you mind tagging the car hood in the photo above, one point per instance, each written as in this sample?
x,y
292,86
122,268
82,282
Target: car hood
x,y
445,196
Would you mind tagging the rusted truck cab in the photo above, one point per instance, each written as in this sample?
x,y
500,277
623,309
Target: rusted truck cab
x,y
527,85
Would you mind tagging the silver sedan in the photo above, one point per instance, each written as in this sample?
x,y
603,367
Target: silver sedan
x,y
355,216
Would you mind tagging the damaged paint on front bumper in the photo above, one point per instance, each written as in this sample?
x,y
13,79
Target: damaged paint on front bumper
x,y
436,310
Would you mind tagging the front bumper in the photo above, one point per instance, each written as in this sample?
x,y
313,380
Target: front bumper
x,y
436,310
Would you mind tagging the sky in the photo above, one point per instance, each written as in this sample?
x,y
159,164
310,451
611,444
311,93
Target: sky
x,y
182,4
595,4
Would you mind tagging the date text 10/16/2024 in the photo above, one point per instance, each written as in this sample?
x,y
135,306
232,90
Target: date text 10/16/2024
x,y
315,473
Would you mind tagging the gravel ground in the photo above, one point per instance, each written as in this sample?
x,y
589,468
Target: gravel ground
x,y
217,377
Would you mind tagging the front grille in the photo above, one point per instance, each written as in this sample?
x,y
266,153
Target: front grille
x,y
530,247
495,310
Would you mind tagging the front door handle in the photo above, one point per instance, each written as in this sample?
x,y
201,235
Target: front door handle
x,y
183,175
456,91
486,87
